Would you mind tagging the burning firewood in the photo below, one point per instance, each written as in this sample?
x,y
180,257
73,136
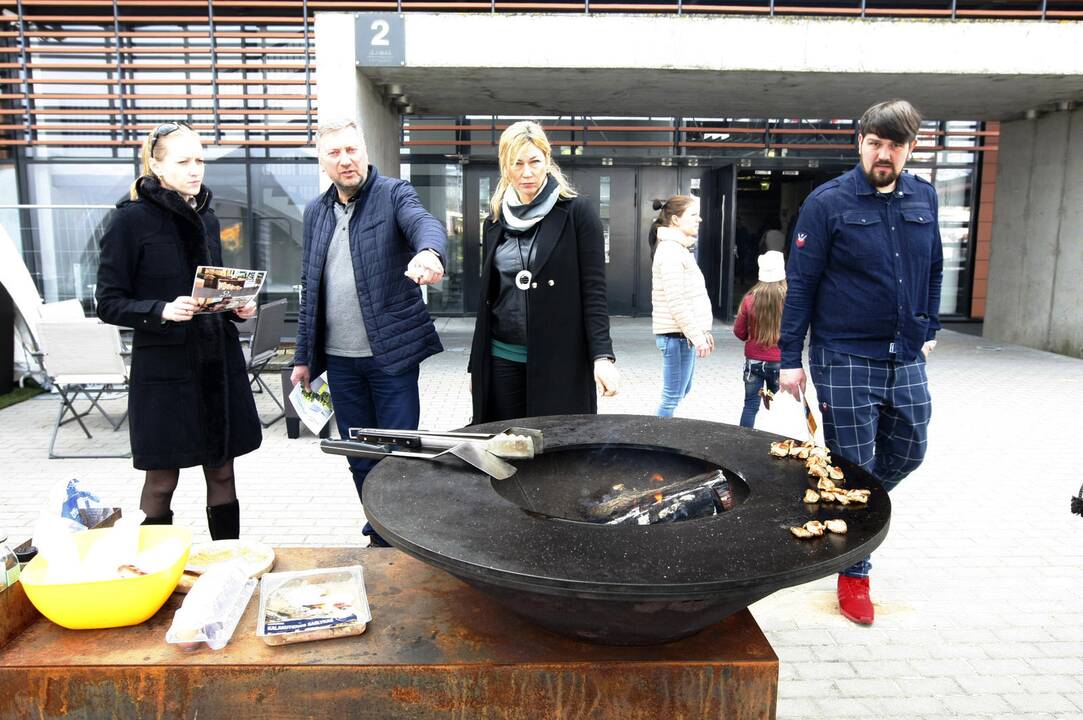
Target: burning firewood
x,y
700,496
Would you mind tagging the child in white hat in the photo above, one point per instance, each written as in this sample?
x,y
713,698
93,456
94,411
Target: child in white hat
x,y
758,323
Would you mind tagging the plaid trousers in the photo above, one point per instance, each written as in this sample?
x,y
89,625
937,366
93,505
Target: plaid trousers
x,y
876,415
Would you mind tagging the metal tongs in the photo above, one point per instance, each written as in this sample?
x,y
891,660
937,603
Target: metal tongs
x,y
484,451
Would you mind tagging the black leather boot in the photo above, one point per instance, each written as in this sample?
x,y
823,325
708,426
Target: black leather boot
x,y
224,521
166,519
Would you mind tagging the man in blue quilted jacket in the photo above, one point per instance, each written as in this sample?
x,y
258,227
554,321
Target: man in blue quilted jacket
x,y
368,246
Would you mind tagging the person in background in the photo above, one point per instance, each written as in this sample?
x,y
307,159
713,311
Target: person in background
x,y
681,317
864,281
189,400
541,340
758,324
368,246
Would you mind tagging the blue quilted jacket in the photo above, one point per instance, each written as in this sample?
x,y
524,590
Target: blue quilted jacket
x,y
388,227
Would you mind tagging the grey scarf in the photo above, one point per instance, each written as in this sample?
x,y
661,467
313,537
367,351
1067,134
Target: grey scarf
x,y
518,216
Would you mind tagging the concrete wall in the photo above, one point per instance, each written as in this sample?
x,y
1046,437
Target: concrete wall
x,y
730,66
1036,262
344,92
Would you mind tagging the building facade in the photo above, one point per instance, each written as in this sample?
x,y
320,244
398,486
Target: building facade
x,y
82,84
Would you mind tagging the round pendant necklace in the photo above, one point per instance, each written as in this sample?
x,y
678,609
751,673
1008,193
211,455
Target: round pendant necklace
x,y
524,276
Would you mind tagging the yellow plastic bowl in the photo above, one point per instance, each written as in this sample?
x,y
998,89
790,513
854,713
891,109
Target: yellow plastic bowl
x,y
107,603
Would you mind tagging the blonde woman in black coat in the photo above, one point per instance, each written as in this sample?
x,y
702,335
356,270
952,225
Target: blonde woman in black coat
x,y
190,402
541,340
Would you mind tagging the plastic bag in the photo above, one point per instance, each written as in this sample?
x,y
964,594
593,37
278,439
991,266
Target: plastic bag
x,y
210,613
77,496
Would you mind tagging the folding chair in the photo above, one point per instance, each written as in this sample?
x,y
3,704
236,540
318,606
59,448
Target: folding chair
x,y
266,337
82,358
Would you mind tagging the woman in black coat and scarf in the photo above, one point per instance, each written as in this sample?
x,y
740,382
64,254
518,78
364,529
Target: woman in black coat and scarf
x,y
541,340
189,402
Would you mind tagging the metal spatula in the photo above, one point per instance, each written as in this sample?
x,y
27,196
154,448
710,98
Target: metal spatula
x,y
468,452
513,443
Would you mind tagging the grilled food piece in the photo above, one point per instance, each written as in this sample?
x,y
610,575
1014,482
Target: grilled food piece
x,y
781,449
836,526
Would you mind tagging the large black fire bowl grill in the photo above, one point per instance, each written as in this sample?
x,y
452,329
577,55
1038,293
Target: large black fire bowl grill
x,y
523,542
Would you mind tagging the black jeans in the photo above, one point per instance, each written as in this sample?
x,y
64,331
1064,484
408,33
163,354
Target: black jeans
x,y
507,389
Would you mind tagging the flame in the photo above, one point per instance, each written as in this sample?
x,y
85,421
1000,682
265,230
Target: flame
x,y
657,477
658,497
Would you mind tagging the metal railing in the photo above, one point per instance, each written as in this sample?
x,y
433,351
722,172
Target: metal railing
x,y
682,136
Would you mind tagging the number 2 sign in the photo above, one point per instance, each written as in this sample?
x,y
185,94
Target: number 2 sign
x,y
381,39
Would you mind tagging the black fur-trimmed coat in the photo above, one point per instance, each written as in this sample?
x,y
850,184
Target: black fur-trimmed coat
x,y
190,402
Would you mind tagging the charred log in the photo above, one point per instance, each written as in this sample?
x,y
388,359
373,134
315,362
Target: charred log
x,y
695,497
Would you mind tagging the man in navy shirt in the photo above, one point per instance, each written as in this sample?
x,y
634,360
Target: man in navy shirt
x,y
864,277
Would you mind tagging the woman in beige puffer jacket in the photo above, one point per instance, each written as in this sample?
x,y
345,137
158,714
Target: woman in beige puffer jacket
x,y
682,317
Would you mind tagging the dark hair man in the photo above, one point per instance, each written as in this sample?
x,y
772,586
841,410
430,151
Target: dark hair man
x,y
368,245
864,275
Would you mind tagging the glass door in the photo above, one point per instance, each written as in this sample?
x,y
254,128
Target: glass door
x,y
612,191
479,184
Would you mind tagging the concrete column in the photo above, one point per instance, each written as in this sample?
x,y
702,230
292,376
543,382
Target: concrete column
x,y
343,91
1037,250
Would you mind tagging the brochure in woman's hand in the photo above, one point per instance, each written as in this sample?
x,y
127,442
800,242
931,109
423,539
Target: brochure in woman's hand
x,y
313,406
218,289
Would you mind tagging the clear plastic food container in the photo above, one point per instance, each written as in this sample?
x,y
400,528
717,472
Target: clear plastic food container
x,y
312,605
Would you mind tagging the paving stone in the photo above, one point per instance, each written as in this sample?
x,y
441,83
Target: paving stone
x,y
868,687
983,704
1044,702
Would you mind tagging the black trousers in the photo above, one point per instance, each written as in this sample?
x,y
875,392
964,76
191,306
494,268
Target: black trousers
x,y
507,389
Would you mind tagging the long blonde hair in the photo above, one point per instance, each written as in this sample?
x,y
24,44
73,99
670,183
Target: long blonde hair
x,y
766,321
512,141
158,148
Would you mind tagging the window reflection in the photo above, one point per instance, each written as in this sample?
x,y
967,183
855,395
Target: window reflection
x,y
440,188
74,202
603,210
9,197
229,184
279,194
954,192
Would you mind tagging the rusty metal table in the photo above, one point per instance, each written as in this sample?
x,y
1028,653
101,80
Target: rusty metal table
x,y
435,648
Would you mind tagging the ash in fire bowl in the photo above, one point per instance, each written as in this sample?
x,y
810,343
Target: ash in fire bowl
x,y
525,542
616,484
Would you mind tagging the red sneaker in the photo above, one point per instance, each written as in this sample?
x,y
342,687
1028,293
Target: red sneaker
x,y
854,601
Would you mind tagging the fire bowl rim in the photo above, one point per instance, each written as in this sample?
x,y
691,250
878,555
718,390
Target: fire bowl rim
x,y
448,515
